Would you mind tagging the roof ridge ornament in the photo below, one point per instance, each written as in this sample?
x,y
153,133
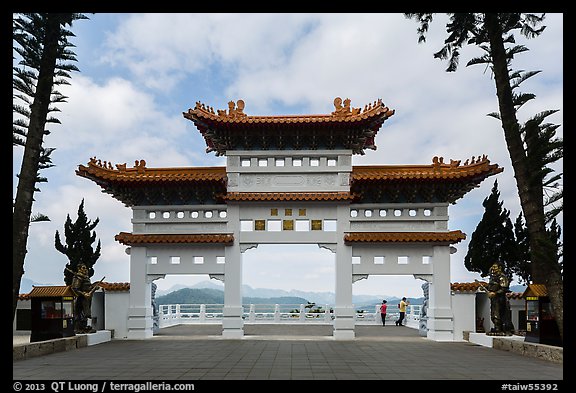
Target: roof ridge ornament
x,y
139,165
234,110
100,163
344,110
438,162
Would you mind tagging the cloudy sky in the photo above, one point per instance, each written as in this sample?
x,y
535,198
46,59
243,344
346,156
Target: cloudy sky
x,y
139,72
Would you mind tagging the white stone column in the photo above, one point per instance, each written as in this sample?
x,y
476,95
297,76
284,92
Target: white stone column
x,y
343,310
140,311
440,316
232,323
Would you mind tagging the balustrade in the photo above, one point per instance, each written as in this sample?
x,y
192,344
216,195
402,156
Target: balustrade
x,y
175,314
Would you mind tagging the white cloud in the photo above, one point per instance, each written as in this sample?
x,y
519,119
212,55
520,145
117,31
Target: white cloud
x,y
279,64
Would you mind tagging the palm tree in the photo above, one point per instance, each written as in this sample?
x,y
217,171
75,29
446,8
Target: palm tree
x,y
41,47
492,32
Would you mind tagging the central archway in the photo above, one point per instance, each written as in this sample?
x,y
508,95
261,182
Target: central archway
x,y
298,267
301,274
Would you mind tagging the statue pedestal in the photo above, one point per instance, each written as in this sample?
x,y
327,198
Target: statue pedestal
x,y
481,339
101,336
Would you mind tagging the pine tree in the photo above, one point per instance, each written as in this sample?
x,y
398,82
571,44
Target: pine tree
x,y
523,269
41,50
78,248
493,239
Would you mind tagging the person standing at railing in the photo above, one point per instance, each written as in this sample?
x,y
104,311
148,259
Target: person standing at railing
x,y
402,307
383,309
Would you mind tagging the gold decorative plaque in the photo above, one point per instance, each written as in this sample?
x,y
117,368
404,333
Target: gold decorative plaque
x,y
316,225
260,225
288,225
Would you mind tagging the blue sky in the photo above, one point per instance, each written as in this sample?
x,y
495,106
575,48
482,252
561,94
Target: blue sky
x,y
139,72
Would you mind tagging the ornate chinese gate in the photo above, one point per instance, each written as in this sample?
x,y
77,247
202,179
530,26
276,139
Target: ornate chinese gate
x,y
290,179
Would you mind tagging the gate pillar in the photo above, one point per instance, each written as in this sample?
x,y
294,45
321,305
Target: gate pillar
x,y
440,317
140,313
343,309
232,322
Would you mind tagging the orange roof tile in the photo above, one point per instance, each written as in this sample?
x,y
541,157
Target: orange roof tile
x,y
404,237
515,295
535,290
115,286
467,286
103,170
51,291
130,239
345,127
288,196
142,185
475,287
435,171
341,114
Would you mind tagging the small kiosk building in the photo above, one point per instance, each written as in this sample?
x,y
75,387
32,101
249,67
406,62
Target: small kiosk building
x,y
541,326
52,312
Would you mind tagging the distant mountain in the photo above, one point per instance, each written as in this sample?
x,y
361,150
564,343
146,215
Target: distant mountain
x,y
216,296
269,296
203,284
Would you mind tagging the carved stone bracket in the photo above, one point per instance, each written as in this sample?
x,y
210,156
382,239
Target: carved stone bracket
x,y
153,277
219,277
247,246
425,277
328,246
357,277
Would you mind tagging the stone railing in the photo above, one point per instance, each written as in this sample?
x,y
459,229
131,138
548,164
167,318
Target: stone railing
x,y
176,314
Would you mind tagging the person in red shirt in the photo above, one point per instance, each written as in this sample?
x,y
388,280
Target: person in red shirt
x,y
383,308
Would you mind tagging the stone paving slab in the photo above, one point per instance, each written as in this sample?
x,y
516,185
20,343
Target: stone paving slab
x,y
277,352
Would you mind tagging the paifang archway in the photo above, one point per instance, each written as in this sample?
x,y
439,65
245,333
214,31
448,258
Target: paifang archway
x,y
290,179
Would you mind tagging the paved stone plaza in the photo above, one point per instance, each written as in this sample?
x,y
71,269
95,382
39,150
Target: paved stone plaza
x,y
287,352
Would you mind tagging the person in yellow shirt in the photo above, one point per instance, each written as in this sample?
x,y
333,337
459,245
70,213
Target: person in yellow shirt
x,y
402,306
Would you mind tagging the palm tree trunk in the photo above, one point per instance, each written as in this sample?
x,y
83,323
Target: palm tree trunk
x,y
545,268
30,161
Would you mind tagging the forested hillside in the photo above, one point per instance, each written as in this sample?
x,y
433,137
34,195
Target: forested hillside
x,y
216,296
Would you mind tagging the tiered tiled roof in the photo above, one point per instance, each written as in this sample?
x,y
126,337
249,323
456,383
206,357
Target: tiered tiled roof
x,y
130,238
437,182
151,186
438,170
404,237
345,128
